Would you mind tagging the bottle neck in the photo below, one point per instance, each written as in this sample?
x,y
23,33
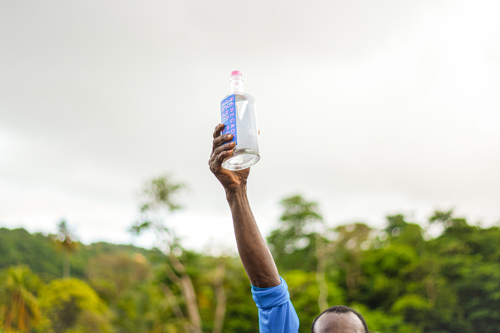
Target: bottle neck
x,y
237,84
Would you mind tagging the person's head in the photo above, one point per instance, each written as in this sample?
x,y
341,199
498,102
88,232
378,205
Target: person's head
x,y
339,319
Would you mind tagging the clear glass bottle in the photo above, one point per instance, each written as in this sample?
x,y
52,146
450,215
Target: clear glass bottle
x,y
240,119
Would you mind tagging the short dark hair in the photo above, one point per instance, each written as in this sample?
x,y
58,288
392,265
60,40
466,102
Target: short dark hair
x,y
340,309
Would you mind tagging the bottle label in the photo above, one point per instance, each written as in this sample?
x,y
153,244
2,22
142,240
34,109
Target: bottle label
x,y
228,116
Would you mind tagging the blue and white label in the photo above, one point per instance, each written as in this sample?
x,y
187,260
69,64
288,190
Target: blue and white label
x,y
228,116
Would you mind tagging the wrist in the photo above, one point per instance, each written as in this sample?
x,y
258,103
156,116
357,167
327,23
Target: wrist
x,y
237,194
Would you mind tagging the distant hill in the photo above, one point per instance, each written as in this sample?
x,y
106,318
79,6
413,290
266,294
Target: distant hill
x,y
37,251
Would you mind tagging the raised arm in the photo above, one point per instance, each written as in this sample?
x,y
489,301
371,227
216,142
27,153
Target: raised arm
x,y
254,253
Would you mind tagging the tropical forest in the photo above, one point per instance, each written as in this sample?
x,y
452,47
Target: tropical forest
x,y
402,278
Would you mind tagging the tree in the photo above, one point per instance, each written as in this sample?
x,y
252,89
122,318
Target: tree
x,y
111,275
158,201
347,252
293,244
18,247
71,304
220,295
403,232
18,305
469,264
298,244
66,242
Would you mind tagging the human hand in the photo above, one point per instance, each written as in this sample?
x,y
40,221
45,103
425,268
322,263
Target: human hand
x,y
231,180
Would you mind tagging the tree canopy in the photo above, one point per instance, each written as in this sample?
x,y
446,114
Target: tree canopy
x,y
398,277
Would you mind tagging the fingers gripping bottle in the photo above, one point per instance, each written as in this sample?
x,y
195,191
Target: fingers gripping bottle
x,y
240,119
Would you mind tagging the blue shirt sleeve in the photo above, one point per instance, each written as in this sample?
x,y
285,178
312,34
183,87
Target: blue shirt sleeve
x,y
276,312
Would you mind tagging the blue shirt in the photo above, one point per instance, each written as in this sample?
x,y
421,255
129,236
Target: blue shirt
x,y
276,312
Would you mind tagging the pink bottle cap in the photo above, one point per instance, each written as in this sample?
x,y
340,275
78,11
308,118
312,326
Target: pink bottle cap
x,y
236,73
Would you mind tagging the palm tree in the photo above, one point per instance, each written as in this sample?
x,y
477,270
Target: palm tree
x,y
19,307
66,242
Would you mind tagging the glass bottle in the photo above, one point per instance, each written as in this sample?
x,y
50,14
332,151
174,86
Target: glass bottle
x,y
240,119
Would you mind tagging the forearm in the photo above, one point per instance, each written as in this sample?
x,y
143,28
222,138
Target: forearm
x,y
254,253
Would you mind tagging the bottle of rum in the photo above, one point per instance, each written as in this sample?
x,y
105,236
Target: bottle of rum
x,y
240,119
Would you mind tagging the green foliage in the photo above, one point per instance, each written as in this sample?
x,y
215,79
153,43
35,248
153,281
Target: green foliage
x,y
381,322
18,305
403,232
293,244
399,280
347,253
143,308
161,190
385,274
18,247
65,241
70,306
241,312
470,266
158,199
304,293
113,274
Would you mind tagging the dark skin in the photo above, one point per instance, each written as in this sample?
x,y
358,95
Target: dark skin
x,y
254,253
339,323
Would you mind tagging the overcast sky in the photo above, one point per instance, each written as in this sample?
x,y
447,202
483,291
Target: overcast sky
x,y
368,107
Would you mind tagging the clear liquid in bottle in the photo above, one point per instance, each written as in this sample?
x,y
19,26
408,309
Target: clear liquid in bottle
x,y
239,116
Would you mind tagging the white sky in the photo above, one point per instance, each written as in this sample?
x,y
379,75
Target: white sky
x,y
369,107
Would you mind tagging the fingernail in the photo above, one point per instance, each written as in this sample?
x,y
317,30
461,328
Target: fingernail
x,y
232,143
229,136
